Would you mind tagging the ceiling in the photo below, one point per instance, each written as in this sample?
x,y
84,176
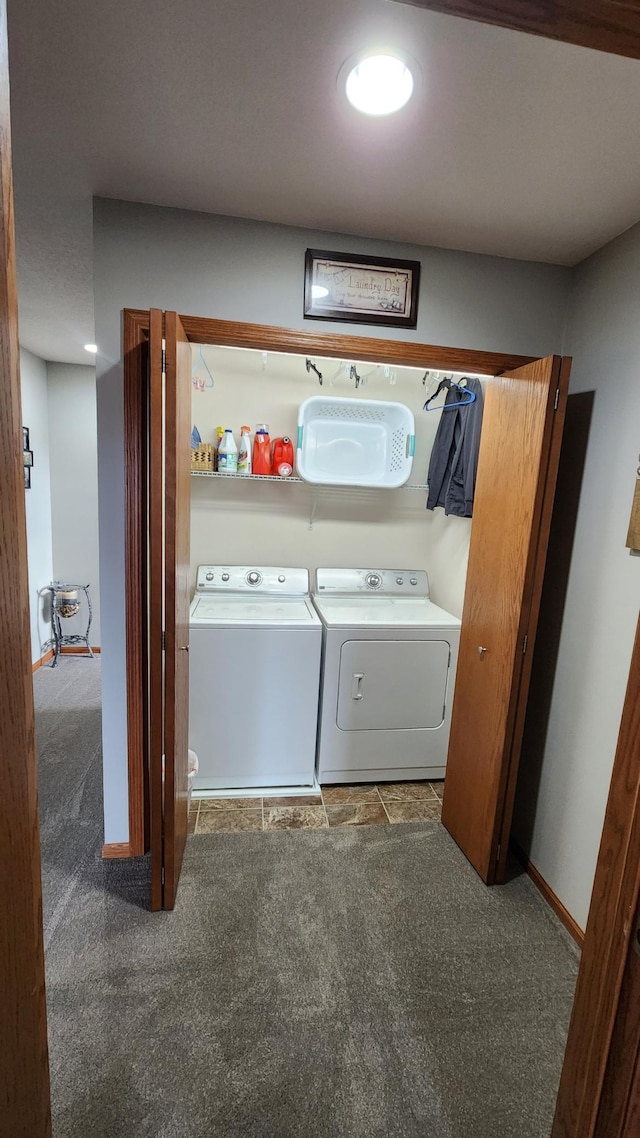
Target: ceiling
x,y
515,145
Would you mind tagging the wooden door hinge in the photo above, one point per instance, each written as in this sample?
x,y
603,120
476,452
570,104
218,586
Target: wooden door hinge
x,y
499,851
164,641
557,399
525,643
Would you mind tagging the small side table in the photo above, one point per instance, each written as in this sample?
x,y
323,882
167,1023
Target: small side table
x,y
65,602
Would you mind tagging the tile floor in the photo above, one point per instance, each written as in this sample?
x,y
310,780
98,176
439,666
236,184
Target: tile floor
x,y
362,805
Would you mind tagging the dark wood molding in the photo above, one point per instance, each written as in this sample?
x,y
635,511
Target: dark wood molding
x,y
155,530
24,1070
135,339
610,928
401,353
604,25
553,901
116,850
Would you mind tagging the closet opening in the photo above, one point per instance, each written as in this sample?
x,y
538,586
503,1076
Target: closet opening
x,y
175,365
345,702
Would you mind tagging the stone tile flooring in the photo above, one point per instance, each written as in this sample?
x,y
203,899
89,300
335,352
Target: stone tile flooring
x,y
362,805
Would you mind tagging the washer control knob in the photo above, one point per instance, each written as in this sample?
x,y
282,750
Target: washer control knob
x,y
282,578
225,576
399,580
414,580
209,577
253,578
373,580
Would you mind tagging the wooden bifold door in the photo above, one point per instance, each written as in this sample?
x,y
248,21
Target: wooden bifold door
x,y
517,469
169,424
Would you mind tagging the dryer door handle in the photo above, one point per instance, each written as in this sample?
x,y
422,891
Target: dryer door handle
x,y
357,684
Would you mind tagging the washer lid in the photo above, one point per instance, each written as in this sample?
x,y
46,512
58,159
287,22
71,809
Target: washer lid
x,y
392,612
252,611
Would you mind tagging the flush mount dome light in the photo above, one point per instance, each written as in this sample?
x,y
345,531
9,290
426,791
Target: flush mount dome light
x,y
378,83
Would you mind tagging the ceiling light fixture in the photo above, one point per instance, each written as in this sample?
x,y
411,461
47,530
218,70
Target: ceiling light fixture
x,y
93,348
378,82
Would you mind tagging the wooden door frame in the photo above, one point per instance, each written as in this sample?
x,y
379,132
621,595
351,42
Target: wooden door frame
x,y
202,330
24,1068
593,1089
615,893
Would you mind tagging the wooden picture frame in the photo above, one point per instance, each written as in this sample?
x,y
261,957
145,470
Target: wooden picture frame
x,y
360,289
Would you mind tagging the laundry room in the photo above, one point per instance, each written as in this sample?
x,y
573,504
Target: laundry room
x,y
297,517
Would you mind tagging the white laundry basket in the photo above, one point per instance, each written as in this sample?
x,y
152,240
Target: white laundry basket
x,y
355,442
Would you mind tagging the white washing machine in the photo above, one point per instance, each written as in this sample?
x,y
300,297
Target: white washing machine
x,y
389,664
254,676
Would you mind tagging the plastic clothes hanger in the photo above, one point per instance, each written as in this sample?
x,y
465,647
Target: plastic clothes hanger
x,y
450,382
197,380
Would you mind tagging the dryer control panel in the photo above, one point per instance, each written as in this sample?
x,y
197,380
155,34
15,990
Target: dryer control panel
x,y
271,579
386,582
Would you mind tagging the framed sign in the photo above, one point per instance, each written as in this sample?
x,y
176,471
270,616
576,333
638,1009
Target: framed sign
x,y
361,289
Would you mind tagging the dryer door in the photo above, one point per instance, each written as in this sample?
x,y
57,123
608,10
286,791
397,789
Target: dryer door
x,y
389,685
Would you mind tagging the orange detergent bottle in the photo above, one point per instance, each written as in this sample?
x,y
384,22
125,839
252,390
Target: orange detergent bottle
x,y
282,457
262,450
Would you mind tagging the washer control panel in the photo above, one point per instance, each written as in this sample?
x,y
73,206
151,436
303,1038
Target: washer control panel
x,y
385,582
270,579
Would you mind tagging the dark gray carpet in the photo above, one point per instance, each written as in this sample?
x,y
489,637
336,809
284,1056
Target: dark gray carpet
x,y
68,739
349,983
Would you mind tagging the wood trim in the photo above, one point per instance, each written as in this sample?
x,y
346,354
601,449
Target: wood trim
x,y
116,850
42,661
338,345
540,530
78,650
135,336
155,607
24,1068
610,928
553,901
604,25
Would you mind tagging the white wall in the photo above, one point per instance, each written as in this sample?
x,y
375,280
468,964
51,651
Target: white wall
x,y
603,336
33,376
146,256
245,522
74,484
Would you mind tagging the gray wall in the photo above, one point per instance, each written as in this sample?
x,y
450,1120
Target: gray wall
x,y
566,811
33,381
74,483
146,256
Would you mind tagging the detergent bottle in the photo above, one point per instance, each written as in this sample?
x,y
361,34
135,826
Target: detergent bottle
x,y
244,451
282,457
228,454
262,450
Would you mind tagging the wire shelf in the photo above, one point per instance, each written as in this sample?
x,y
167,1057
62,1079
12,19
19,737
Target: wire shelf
x,y
302,482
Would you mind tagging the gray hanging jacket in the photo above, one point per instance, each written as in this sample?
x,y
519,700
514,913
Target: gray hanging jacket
x,y
454,458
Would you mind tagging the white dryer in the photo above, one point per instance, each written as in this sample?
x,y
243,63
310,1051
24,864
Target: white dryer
x,y
254,676
389,663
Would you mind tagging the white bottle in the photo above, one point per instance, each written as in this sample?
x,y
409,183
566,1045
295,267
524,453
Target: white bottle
x,y
244,452
228,453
